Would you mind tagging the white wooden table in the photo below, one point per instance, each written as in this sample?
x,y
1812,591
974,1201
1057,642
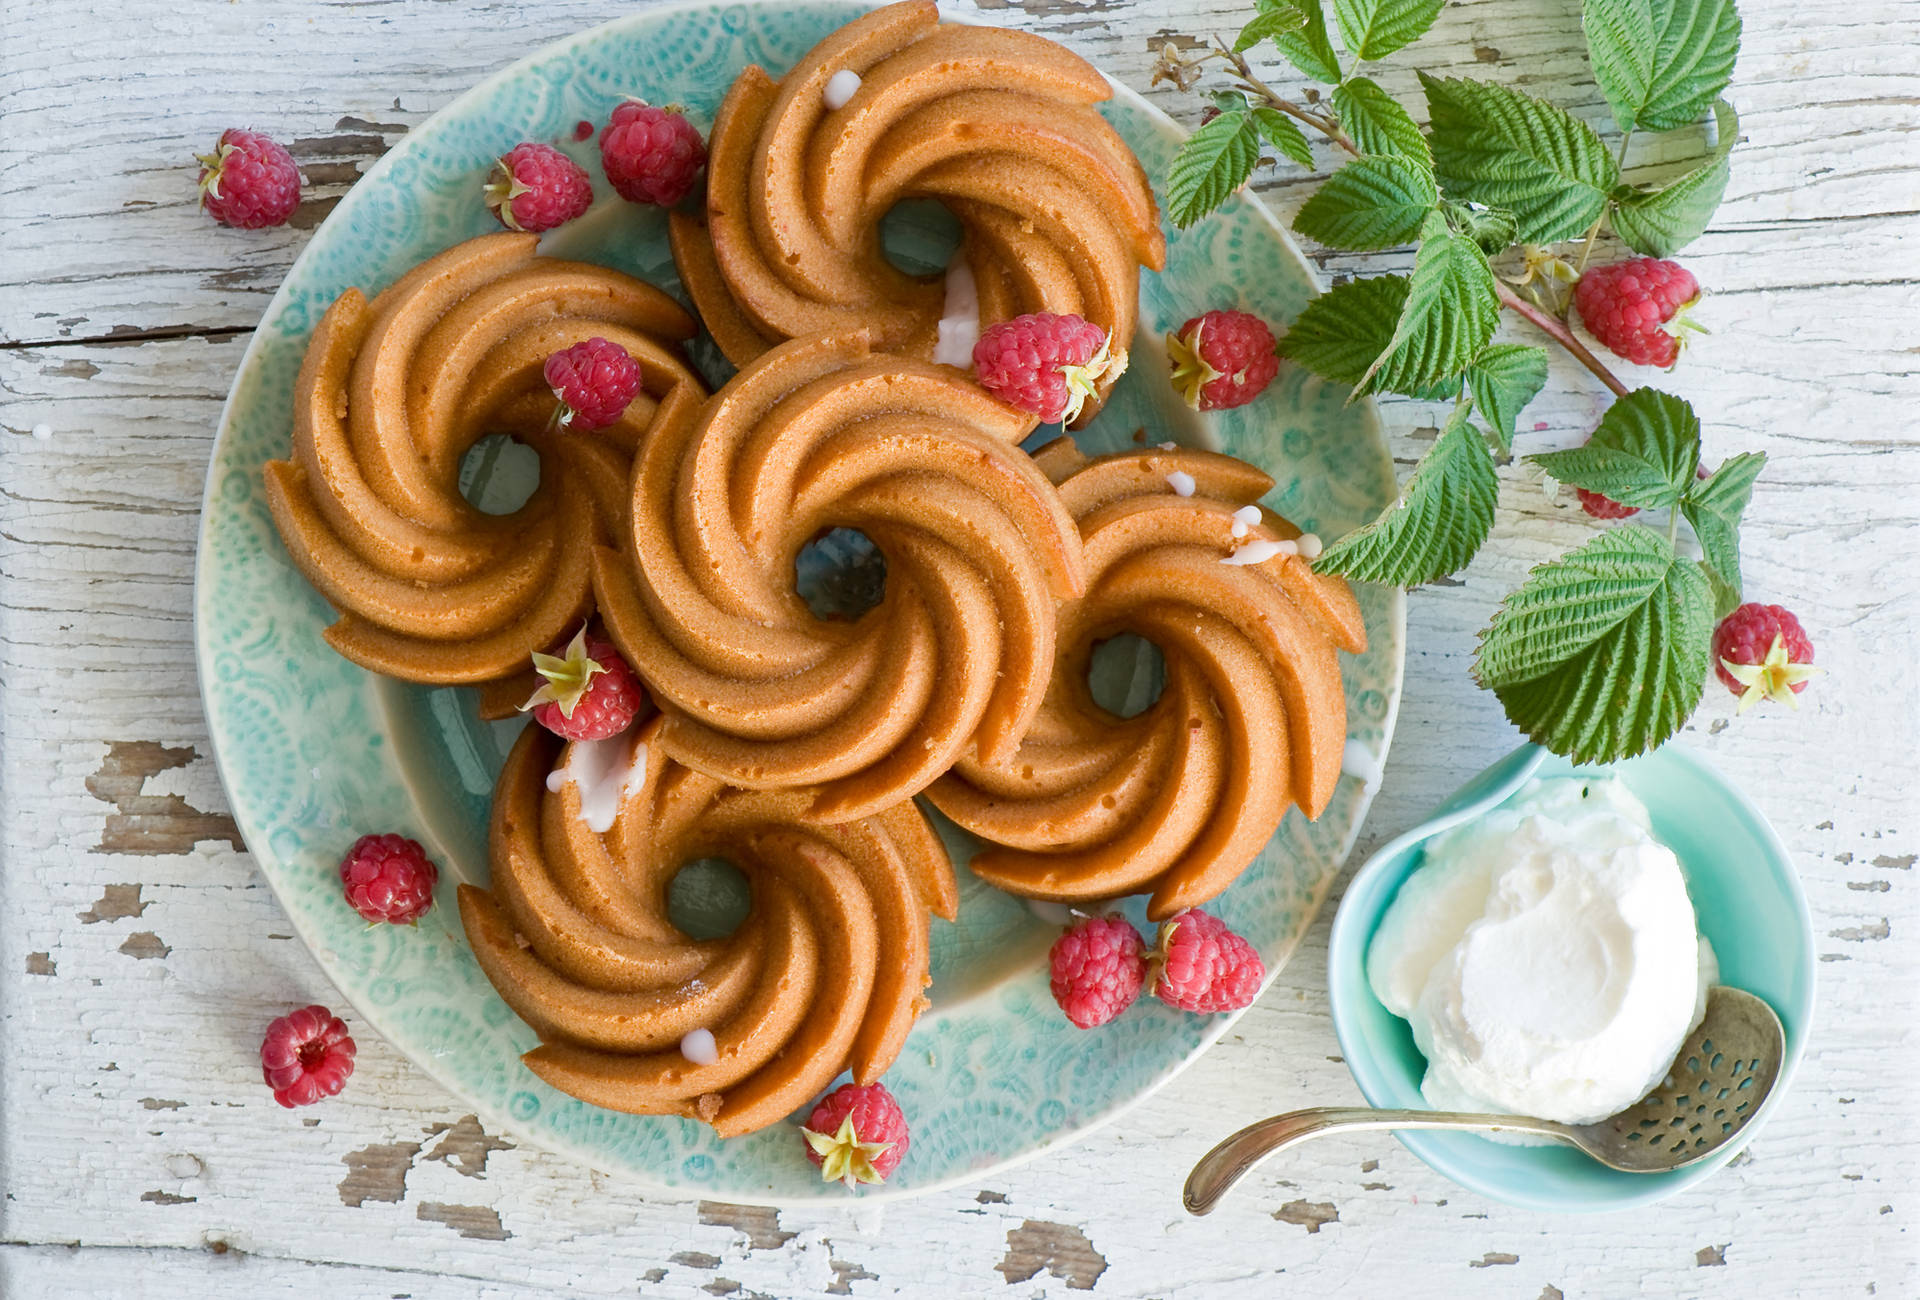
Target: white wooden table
x,y
141,954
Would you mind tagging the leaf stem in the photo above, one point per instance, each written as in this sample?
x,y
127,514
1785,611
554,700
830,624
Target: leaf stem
x,y
1250,81
1559,333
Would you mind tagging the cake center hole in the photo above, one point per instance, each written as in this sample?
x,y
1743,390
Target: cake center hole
x,y
919,236
708,898
1126,674
497,474
841,574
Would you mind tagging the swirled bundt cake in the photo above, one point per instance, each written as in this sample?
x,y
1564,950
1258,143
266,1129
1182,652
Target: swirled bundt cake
x,y
827,972
999,126
391,396
1178,799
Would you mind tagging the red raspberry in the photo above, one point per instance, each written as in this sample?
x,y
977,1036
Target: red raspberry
x,y
1200,965
1638,308
590,692
306,1056
1601,507
651,155
389,878
536,187
1762,652
593,381
856,1135
1047,364
1097,966
583,130
1222,359
248,181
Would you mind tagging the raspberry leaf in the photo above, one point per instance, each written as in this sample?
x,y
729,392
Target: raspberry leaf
x,y
1370,203
1306,47
1713,507
1642,454
1442,518
1280,132
1661,62
1374,29
1491,228
1602,653
1451,310
1214,162
1496,146
1343,331
1666,220
1377,123
1270,25
1503,378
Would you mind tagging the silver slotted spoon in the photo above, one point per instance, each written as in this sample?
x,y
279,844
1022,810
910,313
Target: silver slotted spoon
x,y
1717,1085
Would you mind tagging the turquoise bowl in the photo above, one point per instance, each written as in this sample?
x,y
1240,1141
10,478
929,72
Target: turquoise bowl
x,y
1749,903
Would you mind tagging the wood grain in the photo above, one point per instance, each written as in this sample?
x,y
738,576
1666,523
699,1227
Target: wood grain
x,y
141,955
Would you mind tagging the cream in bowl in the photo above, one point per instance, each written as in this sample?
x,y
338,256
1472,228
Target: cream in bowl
x,y
1545,955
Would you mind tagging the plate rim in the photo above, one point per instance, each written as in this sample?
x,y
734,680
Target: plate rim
x,y
495,1117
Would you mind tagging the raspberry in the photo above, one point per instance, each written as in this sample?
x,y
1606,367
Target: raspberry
x,y
593,381
389,878
590,692
1222,359
1097,966
1601,507
248,181
1046,364
856,1135
1200,965
1638,308
536,187
1762,652
306,1056
651,155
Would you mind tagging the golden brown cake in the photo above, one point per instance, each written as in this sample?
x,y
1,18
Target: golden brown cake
x,y
1180,798
759,692
390,397
828,971
997,125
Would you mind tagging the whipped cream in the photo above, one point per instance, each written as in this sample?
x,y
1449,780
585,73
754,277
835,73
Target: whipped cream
x,y
699,1047
1546,956
841,87
606,772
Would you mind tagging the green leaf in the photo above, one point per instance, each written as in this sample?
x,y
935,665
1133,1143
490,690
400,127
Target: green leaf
x,y
1269,25
1450,313
1344,330
1642,454
1503,378
1377,123
1442,518
1491,228
1370,203
1661,223
1374,29
1282,134
1602,654
1496,146
1661,62
1308,48
1214,162
1713,507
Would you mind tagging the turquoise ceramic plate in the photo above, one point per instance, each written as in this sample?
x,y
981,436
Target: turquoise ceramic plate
x,y
314,751
1749,903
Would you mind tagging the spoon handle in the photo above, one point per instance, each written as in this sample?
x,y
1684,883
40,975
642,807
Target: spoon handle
x,y
1221,1167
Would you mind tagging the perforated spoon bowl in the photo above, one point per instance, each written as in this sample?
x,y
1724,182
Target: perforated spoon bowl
x,y
1718,1083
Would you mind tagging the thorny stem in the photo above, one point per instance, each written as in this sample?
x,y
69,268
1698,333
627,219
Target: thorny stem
x,y
1550,326
1557,330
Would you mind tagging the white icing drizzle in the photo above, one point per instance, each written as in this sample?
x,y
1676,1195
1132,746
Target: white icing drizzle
x,y
1248,515
1239,529
1308,545
605,772
960,322
841,87
1259,551
1181,482
1358,761
699,1048
1169,446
